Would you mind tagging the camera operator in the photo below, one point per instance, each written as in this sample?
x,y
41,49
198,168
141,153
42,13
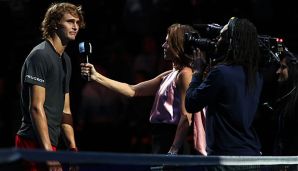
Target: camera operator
x,y
230,92
285,106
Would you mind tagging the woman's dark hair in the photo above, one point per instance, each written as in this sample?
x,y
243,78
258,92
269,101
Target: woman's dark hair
x,y
292,83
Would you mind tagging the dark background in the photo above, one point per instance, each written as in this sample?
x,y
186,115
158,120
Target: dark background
x,y
126,36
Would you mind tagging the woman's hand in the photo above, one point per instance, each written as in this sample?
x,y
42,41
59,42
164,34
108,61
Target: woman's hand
x,y
88,70
199,63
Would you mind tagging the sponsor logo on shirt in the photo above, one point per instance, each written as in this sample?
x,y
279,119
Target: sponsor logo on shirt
x,y
35,78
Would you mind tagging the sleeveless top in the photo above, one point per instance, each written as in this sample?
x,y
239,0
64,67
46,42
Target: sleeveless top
x,y
166,107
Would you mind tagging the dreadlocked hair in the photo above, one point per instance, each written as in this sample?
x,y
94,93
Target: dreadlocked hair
x,y
244,49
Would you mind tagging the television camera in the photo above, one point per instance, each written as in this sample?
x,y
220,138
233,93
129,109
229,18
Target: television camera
x,y
206,40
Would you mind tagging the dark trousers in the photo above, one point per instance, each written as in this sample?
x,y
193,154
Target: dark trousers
x,y
162,137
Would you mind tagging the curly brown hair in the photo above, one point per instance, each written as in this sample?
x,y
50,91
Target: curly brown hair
x,y
54,14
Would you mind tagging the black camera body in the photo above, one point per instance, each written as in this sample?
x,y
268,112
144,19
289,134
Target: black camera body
x,y
193,41
206,40
271,48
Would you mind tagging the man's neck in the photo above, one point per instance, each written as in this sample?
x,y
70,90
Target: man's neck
x,y
57,44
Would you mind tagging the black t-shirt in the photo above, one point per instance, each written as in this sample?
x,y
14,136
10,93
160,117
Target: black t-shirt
x,y
44,67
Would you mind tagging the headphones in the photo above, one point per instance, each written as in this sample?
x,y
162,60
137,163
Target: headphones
x,y
231,30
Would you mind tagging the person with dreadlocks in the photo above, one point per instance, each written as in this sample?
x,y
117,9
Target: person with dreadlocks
x,y
169,120
285,106
230,92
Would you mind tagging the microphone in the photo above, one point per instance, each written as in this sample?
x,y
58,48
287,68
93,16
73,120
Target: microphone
x,y
85,50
